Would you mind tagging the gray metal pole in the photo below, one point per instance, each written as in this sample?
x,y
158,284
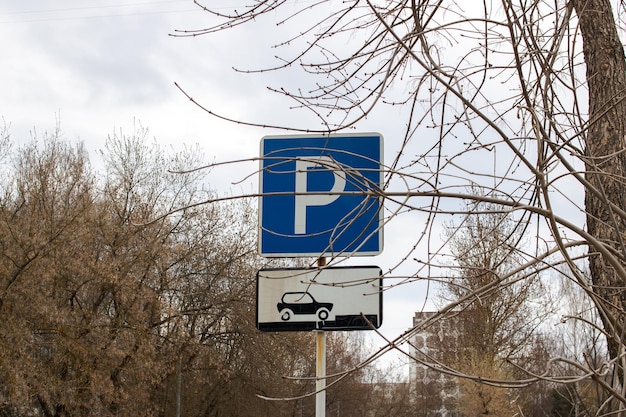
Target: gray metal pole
x,y
320,369
320,382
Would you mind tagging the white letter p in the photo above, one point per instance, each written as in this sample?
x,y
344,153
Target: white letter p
x,y
304,200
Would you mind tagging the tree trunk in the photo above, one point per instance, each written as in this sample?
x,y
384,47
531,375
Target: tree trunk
x,y
606,163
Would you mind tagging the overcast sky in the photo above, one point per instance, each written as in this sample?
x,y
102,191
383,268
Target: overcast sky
x,y
99,67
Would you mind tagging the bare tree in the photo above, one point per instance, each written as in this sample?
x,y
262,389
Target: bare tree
x,y
533,91
111,304
497,318
579,335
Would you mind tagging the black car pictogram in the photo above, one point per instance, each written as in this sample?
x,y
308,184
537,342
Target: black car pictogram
x,y
293,303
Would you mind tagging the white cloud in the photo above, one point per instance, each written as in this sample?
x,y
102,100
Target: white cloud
x,y
97,73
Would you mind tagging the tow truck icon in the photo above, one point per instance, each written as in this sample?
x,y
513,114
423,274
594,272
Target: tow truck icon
x,y
302,302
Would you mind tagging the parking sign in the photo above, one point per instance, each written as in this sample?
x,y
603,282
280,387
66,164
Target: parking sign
x,y
333,298
320,195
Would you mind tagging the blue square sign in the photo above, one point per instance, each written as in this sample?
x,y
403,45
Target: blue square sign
x,y
320,195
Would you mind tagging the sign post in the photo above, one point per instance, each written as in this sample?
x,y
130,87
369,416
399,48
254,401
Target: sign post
x,y
320,374
320,368
320,196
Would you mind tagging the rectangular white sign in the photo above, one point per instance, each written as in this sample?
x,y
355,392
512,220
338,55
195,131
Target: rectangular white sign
x,y
332,298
